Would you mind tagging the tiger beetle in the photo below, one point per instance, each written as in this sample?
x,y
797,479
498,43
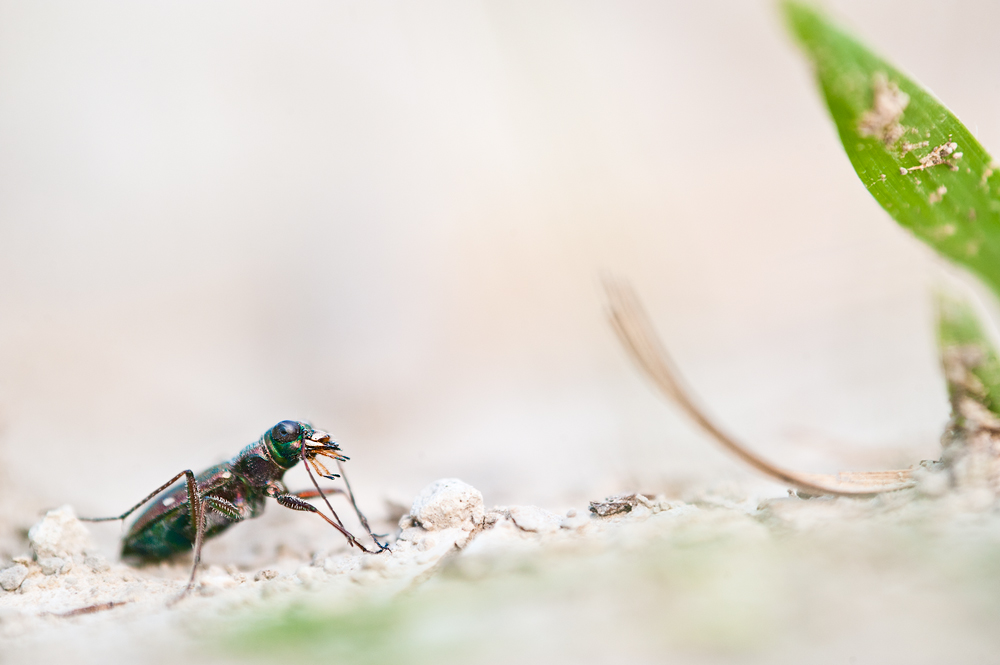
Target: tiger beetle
x,y
233,491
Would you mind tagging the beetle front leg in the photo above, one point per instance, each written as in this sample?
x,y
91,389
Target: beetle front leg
x,y
322,492
295,503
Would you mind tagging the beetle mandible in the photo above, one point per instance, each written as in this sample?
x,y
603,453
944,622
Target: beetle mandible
x,y
209,503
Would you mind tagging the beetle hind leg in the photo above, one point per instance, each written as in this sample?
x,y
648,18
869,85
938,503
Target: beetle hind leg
x,y
190,484
196,509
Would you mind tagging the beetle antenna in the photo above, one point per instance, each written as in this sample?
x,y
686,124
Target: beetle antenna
x,y
348,534
364,520
325,500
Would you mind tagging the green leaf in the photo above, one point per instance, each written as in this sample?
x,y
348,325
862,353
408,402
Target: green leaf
x,y
888,124
971,365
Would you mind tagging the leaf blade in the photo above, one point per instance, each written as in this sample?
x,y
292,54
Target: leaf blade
x,y
953,206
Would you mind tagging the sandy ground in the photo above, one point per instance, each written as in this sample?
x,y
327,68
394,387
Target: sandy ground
x,y
435,193
904,577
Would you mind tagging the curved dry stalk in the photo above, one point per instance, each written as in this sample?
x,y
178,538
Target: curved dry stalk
x,y
636,333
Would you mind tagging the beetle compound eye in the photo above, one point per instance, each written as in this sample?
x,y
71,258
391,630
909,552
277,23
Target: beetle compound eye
x,y
286,431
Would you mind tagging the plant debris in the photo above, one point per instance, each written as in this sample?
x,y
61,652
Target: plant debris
x,y
615,505
910,147
970,458
639,338
971,443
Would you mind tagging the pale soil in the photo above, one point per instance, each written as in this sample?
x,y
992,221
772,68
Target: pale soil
x,y
899,578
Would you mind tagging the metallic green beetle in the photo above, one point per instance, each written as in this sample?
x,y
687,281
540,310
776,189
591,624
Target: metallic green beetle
x,y
220,496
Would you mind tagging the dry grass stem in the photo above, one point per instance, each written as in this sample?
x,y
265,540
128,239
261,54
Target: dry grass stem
x,y
636,333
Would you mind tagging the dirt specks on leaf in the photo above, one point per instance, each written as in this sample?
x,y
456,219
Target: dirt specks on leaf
x,y
945,231
909,147
935,197
977,416
958,362
882,119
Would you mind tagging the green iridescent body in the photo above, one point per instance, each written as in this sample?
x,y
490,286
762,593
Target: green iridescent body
x,y
232,492
165,529
210,502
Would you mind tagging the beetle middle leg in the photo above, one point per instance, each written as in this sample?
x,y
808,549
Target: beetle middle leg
x,y
195,501
223,507
200,502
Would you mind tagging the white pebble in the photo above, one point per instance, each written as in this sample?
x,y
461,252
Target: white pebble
x,y
448,503
12,577
59,534
52,565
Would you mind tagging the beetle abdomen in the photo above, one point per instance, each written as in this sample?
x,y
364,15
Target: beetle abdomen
x,y
167,536
165,528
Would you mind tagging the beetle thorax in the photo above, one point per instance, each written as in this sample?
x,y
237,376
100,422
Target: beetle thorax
x,y
257,465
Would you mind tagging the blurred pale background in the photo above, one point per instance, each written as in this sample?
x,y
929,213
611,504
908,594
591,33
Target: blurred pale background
x,y
393,219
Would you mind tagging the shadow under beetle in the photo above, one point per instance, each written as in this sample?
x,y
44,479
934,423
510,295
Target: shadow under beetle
x,y
220,496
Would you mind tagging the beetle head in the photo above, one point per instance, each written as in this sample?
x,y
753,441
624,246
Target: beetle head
x,y
290,441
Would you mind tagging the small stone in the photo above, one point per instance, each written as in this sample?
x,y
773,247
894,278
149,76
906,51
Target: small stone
x,y
310,576
575,521
12,577
340,565
532,518
448,503
277,587
215,580
615,505
266,574
96,563
52,565
931,478
131,592
59,534
934,484
374,562
31,583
